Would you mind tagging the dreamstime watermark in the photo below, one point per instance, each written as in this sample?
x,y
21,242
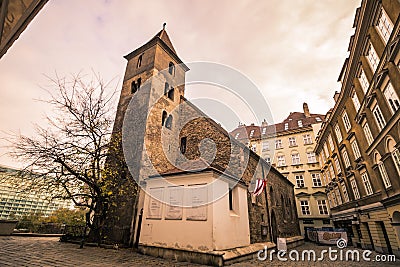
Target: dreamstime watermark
x,y
330,254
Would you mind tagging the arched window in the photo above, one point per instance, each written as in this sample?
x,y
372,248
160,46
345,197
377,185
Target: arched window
x,y
166,88
391,147
139,61
135,85
168,123
164,117
171,68
171,94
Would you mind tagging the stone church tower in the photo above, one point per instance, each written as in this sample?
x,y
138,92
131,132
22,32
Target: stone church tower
x,y
152,89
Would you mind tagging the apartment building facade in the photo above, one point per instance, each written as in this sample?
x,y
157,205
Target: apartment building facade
x,y
289,147
358,144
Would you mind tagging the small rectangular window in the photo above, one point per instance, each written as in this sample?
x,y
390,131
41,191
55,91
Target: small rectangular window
x,y
380,120
230,199
183,144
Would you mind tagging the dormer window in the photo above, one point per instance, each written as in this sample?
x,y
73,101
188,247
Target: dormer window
x,y
139,61
286,126
251,133
300,123
171,68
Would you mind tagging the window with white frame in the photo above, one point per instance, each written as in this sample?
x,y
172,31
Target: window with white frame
x,y
396,159
372,57
299,180
384,175
251,133
380,120
265,145
318,119
237,135
385,26
391,97
363,80
264,130
346,121
354,188
305,207
286,126
337,165
338,196
368,134
330,141
356,150
316,179
292,141
346,158
356,102
367,183
331,171
338,133
344,191
334,200
322,207
254,147
300,123
278,143
326,150
281,161
311,157
307,139
268,159
295,158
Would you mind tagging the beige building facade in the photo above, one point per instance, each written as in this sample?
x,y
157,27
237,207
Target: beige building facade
x,y
358,145
289,147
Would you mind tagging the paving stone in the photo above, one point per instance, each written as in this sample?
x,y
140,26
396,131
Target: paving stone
x,y
44,251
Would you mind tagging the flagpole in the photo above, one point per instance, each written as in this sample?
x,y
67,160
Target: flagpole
x,y
266,203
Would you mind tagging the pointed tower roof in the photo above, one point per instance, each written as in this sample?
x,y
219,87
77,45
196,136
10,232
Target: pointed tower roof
x,y
162,39
165,38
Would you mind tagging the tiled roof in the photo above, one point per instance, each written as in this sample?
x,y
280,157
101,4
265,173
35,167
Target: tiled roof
x,y
295,120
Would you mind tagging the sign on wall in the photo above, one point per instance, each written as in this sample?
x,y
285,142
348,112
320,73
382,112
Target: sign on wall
x,y
198,200
174,203
155,205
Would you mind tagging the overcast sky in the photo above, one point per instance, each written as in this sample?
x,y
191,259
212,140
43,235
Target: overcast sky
x,y
293,50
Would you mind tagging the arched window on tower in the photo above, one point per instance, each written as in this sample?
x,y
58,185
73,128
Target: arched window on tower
x,y
166,88
135,85
168,123
139,61
171,94
171,68
164,117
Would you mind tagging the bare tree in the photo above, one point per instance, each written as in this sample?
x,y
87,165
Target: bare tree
x,y
68,157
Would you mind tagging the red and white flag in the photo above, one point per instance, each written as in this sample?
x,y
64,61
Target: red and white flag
x,y
260,184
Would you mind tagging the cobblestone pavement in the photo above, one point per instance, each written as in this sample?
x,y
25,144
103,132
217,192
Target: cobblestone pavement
x,y
45,251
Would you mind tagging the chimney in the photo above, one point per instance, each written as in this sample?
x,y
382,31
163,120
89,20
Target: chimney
x,y
306,110
264,123
336,96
